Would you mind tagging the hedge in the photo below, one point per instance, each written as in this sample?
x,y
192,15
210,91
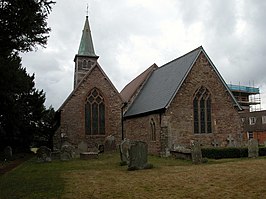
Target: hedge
x,y
233,152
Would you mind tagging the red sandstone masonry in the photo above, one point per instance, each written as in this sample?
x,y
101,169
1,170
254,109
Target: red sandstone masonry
x,y
73,113
225,118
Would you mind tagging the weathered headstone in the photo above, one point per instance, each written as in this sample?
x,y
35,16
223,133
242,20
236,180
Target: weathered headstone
x,y
67,152
138,155
253,148
44,154
101,148
124,151
109,144
83,146
230,140
215,143
196,154
8,153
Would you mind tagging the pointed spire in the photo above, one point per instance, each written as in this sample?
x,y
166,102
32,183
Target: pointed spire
x,y
86,44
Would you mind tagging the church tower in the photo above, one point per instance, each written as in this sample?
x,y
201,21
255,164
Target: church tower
x,y
86,56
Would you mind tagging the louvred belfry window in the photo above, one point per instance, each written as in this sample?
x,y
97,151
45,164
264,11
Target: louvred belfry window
x,y
95,113
202,111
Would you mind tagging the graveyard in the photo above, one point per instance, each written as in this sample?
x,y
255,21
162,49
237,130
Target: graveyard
x,y
104,177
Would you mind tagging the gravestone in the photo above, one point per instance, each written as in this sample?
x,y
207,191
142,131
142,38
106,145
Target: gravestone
x,y
138,156
44,154
8,153
215,143
67,152
101,148
253,148
83,146
230,140
196,154
124,151
109,143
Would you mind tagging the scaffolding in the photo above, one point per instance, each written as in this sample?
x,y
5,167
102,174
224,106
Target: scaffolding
x,y
248,97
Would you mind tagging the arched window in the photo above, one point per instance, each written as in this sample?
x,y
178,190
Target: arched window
x,y
95,113
202,111
153,130
84,64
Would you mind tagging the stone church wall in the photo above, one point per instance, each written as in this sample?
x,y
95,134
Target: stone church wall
x,y
225,118
72,122
175,127
140,129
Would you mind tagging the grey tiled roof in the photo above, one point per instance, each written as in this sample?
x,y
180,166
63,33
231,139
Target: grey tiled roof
x,y
163,84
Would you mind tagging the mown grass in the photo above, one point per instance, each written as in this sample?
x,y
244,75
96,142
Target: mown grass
x,y
104,178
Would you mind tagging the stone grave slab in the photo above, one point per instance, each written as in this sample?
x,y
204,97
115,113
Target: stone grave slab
x,y
88,155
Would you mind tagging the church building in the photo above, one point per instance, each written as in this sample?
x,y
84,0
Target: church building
x,y
92,111
168,107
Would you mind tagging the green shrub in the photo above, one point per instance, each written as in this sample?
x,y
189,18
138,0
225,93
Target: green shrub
x,y
262,151
219,153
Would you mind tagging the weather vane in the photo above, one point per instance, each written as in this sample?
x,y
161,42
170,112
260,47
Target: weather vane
x,y
87,12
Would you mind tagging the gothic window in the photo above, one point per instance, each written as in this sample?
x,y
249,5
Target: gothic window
x,y
95,113
153,130
202,111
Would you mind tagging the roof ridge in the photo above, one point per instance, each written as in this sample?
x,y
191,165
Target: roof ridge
x,y
134,85
153,65
200,47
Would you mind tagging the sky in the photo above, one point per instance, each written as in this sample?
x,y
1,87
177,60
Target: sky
x,y
131,35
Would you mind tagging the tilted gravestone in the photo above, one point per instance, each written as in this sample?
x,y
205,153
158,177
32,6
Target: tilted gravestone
x,y
124,151
196,154
253,148
44,154
138,156
8,153
109,144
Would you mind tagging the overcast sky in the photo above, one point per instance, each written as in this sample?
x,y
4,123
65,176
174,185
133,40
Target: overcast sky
x,y
131,35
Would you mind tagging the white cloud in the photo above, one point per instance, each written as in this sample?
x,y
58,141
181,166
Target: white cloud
x,y
130,35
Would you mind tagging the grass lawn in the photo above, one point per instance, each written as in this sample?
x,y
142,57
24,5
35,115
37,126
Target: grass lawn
x,y
104,178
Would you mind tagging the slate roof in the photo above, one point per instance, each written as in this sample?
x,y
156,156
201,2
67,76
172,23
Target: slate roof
x,y
164,83
132,88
